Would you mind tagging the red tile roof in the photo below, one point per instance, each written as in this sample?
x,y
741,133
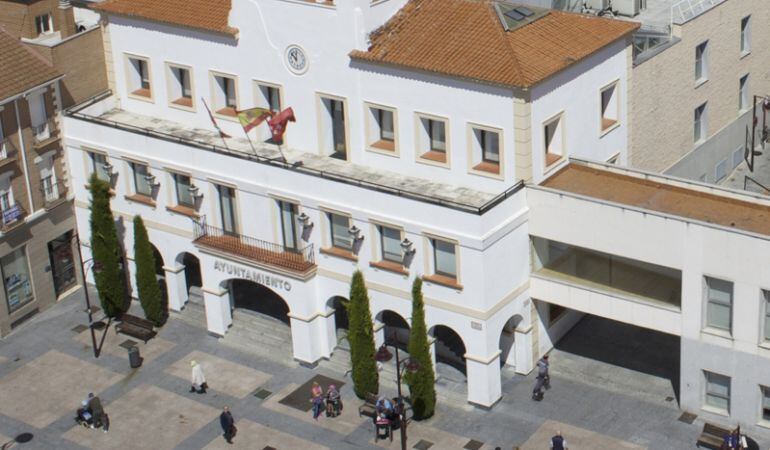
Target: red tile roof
x,y
20,67
208,15
465,38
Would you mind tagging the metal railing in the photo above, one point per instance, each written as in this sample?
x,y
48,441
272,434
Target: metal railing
x,y
7,149
687,10
299,260
43,131
12,216
747,179
53,192
279,162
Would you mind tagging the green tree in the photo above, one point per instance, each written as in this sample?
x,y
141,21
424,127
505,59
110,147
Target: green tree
x,y
106,250
361,338
147,286
422,384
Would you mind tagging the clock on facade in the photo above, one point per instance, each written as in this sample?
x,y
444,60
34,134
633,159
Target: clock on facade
x,y
296,59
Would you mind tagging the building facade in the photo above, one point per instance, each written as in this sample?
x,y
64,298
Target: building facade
x,y
38,261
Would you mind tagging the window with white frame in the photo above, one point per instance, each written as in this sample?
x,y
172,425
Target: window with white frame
x,y
444,258
224,95
432,139
717,393
390,244
269,96
6,194
38,116
180,90
48,183
184,190
340,232
743,93
610,106
139,83
4,146
720,170
290,225
553,135
334,130
745,35
381,130
719,304
737,156
765,403
700,123
766,315
142,179
16,279
701,62
485,148
44,24
100,166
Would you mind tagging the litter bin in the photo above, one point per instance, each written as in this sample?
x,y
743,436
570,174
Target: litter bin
x,y
134,358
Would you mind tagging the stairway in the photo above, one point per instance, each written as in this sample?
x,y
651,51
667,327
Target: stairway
x,y
259,334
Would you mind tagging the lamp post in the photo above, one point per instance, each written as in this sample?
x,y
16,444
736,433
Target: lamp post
x,y
96,266
410,365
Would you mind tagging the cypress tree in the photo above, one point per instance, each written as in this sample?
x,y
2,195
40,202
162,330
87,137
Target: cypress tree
x,y
147,287
361,338
422,387
106,250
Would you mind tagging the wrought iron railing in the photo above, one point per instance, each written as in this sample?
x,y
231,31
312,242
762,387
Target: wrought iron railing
x,y
12,216
746,179
298,260
7,149
43,131
53,192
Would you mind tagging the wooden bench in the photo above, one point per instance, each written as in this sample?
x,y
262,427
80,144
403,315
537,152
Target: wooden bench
x,y
136,327
369,408
712,436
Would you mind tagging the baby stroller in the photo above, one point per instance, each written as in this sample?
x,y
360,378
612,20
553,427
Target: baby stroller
x,y
84,418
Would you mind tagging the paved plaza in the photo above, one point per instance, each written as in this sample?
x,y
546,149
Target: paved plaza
x,y
47,368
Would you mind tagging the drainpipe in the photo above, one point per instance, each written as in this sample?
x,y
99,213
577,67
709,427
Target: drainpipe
x,y
24,158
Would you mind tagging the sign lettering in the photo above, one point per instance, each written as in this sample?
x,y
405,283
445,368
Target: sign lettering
x,y
264,279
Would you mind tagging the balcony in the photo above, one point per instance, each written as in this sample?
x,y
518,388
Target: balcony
x,y
13,216
272,256
54,194
8,154
44,133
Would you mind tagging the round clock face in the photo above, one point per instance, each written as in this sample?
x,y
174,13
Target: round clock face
x,y
296,59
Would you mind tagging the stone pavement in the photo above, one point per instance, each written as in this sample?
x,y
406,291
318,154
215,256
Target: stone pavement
x,y
47,368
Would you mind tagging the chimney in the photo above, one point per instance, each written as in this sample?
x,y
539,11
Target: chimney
x,y
66,16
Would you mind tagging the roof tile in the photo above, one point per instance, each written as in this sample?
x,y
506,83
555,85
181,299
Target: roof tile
x,y
208,15
21,68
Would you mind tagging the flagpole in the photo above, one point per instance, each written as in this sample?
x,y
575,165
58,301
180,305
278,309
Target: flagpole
x,y
211,116
250,143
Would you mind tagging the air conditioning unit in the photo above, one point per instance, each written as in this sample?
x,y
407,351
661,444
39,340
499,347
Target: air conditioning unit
x,y
629,8
598,5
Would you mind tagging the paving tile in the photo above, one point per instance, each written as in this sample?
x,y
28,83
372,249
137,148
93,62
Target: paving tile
x,y
146,417
575,437
422,444
298,399
79,328
221,375
687,418
252,435
112,344
473,445
345,423
128,343
424,436
262,394
50,386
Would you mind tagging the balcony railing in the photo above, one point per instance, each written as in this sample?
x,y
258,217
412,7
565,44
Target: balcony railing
x,y
299,260
7,150
12,216
44,131
53,193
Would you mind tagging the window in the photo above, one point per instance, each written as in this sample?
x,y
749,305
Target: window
x,y
269,96
555,312
701,62
142,179
609,106
390,244
737,156
341,237
44,24
18,286
766,315
184,193
444,261
225,96
180,91
485,146
289,225
381,128
719,298
700,124
743,93
227,209
100,166
139,77
48,178
720,171
6,198
745,35
333,128
38,117
554,140
717,391
432,139
765,403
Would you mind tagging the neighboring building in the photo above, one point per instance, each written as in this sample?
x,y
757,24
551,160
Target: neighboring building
x,y
72,45
36,253
417,124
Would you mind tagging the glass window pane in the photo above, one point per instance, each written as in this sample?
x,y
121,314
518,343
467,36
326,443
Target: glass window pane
x,y
766,403
183,195
720,291
141,183
718,316
437,136
341,237
445,258
490,146
18,287
386,125
288,224
767,315
717,402
227,205
100,163
274,99
391,244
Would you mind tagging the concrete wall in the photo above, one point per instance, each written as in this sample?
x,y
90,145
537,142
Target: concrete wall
x,y
664,93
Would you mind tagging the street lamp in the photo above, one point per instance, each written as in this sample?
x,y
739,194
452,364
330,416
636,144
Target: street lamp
x,y
410,365
96,266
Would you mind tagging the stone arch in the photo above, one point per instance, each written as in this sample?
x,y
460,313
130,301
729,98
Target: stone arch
x,y
337,303
257,298
395,328
160,273
192,270
508,340
449,347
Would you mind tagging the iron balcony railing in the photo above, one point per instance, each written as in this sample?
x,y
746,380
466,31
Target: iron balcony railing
x,y
12,216
53,192
297,260
43,131
7,149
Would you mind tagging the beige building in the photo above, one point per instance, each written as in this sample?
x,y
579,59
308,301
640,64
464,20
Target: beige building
x,y
37,262
691,92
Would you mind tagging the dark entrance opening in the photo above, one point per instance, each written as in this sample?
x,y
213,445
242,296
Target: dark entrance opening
x,y
62,259
396,329
192,271
258,298
450,348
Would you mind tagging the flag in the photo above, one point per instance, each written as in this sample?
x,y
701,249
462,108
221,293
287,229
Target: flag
x,y
278,123
251,118
222,134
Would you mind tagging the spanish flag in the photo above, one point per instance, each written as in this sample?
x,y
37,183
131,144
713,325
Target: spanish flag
x,y
252,117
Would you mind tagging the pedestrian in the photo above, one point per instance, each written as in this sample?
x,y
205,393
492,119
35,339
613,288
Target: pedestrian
x,y
317,399
198,380
333,401
97,411
543,378
558,442
228,424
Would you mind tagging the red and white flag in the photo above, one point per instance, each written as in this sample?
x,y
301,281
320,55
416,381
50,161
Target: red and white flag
x,y
278,123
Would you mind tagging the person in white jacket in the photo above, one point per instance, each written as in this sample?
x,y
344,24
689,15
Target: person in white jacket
x,y
198,379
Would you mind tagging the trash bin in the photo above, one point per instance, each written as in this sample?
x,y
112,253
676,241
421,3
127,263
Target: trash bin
x,y
134,358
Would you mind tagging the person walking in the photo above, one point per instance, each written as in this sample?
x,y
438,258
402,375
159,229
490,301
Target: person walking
x,y
543,378
558,442
228,424
198,380
317,398
97,411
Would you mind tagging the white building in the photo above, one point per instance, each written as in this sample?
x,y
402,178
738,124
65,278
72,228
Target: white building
x,y
408,158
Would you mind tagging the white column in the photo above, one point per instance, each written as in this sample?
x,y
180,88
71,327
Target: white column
x,y
432,348
522,345
330,335
484,388
307,335
379,334
176,286
218,314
